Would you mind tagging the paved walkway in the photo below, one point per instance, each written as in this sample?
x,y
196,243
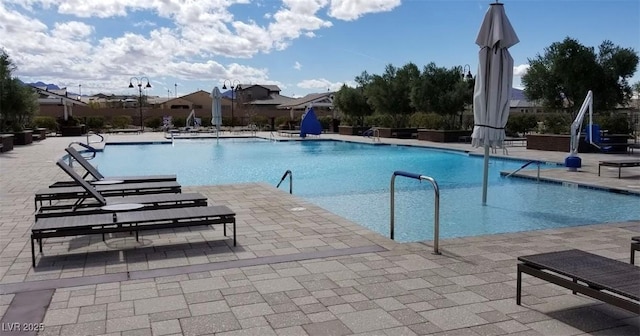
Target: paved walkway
x,y
293,272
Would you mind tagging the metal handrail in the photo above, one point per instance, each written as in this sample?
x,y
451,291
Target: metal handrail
x,y
436,189
93,133
288,172
525,165
87,147
376,134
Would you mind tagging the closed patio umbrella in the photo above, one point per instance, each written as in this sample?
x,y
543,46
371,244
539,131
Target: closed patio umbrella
x,y
493,84
216,110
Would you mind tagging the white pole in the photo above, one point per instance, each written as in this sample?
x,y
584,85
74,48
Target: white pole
x,y
485,176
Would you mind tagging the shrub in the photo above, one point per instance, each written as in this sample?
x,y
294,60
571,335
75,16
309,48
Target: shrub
x,y
282,120
154,122
521,124
347,120
259,120
326,122
179,121
379,120
205,121
121,121
615,123
71,121
95,122
45,122
557,123
426,120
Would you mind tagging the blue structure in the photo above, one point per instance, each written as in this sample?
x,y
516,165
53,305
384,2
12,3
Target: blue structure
x,y
310,124
594,135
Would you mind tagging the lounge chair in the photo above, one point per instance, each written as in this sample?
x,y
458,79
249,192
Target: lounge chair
x,y
130,221
635,246
79,207
97,176
124,189
607,280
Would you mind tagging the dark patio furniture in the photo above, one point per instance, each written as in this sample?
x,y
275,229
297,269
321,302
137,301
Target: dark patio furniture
x,y
130,221
126,189
91,170
604,279
635,246
80,207
619,164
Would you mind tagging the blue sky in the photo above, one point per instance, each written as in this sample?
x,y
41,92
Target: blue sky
x,y
303,46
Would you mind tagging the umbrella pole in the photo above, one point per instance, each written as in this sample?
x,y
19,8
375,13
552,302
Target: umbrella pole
x,y
485,176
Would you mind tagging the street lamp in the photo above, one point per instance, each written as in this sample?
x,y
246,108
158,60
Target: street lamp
x,y
139,81
79,91
234,85
467,74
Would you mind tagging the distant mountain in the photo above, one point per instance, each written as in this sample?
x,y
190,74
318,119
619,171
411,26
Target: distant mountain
x,y
45,85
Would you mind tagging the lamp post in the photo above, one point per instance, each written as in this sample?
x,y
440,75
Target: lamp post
x,y
139,83
466,75
175,88
79,91
234,85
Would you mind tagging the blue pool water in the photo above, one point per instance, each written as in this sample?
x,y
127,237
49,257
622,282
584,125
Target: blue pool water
x,y
352,180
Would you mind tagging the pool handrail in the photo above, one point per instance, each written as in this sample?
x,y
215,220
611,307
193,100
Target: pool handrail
x,y
436,190
525,165
90,133
290,174
87,148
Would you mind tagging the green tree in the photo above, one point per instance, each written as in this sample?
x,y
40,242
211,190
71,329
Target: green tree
x,y
565,72
442,91
18,102
353,103
389,93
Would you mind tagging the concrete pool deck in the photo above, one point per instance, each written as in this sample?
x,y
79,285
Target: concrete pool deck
x,y
295,271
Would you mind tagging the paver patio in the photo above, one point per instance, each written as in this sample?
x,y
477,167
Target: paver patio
x,y
293,272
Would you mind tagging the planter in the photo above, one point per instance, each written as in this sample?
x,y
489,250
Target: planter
x,y
39,134
6,140
443,135
555,143
399,133
352,130
72,130
23,138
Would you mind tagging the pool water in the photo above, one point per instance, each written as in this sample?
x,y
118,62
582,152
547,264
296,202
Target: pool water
x,y
353,180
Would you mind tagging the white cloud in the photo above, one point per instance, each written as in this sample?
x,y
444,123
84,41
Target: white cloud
x,y
520,70
144,23
72,30
350,10
189,48
297,65
323,84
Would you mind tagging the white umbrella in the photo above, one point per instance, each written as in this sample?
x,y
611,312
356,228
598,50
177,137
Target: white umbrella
x,y
216,110
493,84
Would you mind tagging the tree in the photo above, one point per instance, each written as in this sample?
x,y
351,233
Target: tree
x,y
389,93
565,72
353,103
442,91
18,102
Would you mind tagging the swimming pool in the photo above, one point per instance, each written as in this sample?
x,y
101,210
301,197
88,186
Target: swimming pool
x,y
352,180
